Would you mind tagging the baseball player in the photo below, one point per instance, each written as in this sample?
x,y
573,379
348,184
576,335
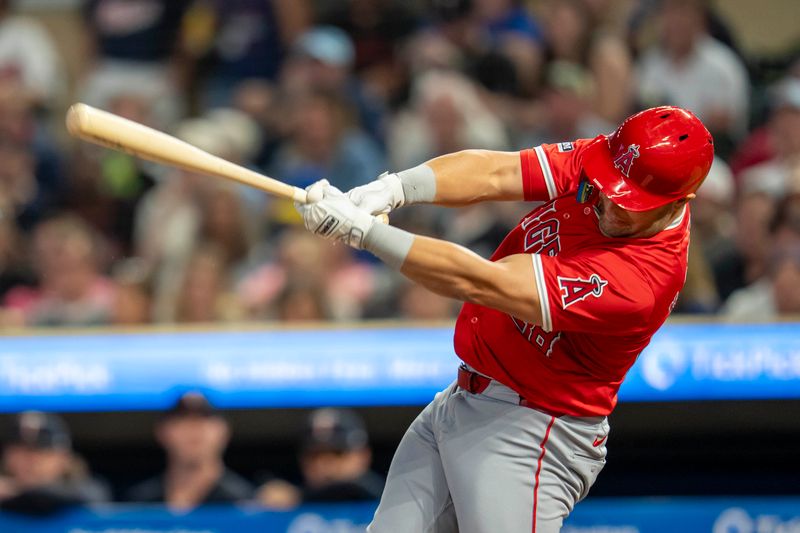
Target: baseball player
x,y
550,324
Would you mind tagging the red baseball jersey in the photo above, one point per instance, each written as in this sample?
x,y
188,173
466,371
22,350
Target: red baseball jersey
x,y
602,298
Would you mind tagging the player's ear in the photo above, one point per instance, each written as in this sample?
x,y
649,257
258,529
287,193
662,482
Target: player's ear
x,y
683,201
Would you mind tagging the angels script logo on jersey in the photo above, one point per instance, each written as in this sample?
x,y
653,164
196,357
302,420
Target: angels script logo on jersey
x,y
624,160
541,231
577,289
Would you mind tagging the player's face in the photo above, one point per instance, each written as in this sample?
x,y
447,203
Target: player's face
x,y
193,438
32,467
615,221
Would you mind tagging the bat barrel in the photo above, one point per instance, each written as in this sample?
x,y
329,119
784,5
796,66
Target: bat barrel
x,y
113,131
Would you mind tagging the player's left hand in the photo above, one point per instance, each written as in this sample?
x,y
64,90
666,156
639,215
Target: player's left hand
x,y
379,196
334,216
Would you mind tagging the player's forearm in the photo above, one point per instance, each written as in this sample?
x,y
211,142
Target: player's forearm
x,y
456,272
447,269
471,176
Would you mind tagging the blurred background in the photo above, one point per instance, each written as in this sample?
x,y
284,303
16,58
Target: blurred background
x,y
205,329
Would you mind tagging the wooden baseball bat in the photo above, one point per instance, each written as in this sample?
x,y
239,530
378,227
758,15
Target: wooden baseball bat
x,y
112,131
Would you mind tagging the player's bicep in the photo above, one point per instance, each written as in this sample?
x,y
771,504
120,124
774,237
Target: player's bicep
x,y
513,289
506,177
471,176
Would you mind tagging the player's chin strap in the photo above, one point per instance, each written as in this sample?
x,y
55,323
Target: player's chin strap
x,y
586,191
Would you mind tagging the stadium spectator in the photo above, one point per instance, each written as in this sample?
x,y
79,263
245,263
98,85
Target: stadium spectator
x,y
322,59
375,27
777,292
325,142
302,301
575,33
352,283
312,101
14,271
786,252
30,176
106,186
294,256
228,223
496,43
568,114
303,279
335,459
194,436
503,20
713,240
482,226
29,57
690,69
259,100
71,288
133,299
204,295
446,114
231,42
747,262
774,174
134,30
130,49
186,209
509,32
771,296
41,474
713,221
418,303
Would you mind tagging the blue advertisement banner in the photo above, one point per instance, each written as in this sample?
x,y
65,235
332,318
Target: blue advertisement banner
x,y
357,367
668,515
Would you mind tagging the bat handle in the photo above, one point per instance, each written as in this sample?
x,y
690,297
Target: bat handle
x,y
299,195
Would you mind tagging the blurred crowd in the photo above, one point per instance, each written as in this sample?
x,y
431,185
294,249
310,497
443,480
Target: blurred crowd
x,y
346,89
42,474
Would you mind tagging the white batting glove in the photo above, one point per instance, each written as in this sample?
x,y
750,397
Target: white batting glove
x,y
335,217
379,196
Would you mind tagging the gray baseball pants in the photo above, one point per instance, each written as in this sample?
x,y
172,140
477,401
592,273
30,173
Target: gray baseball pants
x,y
481,463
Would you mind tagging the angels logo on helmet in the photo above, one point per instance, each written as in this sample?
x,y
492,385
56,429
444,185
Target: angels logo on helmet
x,y
624,160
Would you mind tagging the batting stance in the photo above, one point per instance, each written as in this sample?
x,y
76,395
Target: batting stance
x,y
550,324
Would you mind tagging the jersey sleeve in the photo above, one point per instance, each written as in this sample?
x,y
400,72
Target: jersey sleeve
x,y
550,170
598,292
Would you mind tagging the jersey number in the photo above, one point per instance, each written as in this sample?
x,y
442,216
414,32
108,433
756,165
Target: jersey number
x,y
538,337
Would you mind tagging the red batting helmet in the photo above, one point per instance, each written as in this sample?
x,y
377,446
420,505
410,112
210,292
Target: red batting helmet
x,y
655,157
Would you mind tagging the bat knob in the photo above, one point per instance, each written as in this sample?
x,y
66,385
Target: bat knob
x,y
316,192
77,118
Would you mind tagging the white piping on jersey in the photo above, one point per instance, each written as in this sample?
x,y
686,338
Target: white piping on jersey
x,y
544,164
544,301
677,221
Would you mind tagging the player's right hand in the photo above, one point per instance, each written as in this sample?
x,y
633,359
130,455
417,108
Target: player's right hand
x,y
331,215
379,196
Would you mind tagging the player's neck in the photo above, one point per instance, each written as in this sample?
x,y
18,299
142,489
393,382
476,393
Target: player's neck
x,y
662,225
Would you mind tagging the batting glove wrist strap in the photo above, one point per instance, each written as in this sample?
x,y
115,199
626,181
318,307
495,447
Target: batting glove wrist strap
x,y
419,185
389,244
